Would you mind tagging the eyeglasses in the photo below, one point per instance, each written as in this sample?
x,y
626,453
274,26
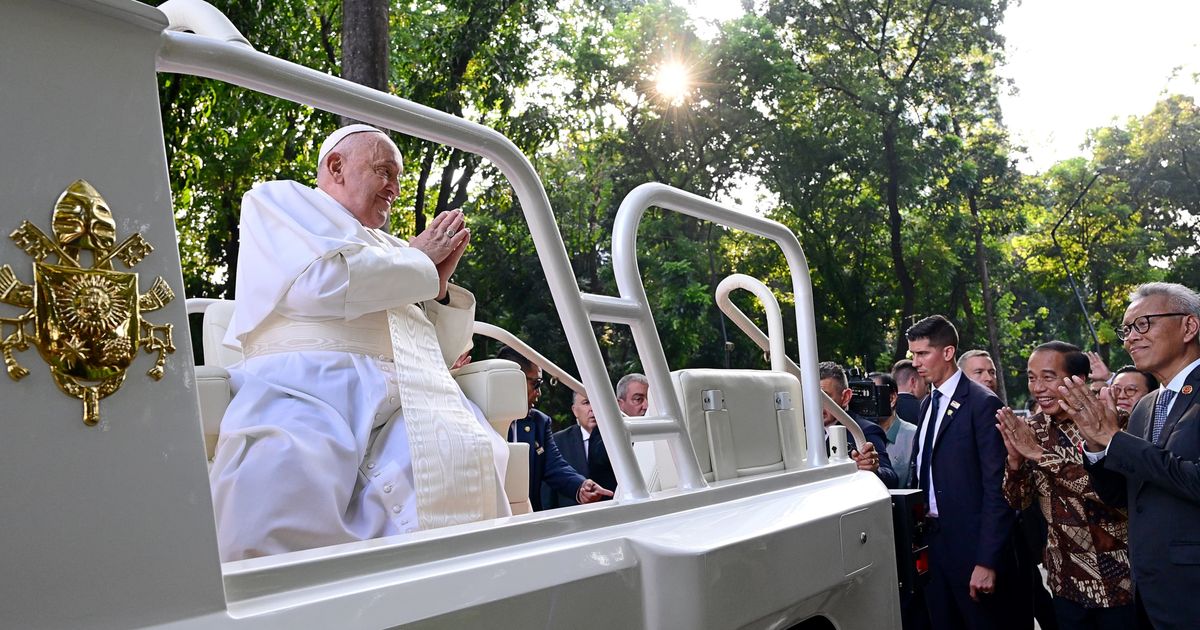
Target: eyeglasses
x,y
1129,391
1142,324
535,383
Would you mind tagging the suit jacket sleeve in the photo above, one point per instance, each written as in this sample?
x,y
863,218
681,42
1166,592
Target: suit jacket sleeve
x,y
1141,461
558,474
996,519
878,438
1110,485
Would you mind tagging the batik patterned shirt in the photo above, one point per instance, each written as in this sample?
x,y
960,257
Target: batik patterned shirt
x,y
1087,555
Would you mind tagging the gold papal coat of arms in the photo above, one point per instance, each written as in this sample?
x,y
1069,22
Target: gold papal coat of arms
x,y
86,316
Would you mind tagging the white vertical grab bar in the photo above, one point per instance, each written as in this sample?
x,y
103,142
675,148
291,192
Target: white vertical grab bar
x,y
774,344
774,319
645,336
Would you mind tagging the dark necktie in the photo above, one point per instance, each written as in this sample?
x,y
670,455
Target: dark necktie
x,y
593,444
1160,413
927,444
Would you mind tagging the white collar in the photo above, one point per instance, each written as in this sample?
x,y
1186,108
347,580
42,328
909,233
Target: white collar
x,y
586,434
947,388
1176,383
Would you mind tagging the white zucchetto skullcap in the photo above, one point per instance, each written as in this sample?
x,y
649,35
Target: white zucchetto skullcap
x,y
339,135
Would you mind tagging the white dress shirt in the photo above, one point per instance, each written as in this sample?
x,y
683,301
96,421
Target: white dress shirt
x,y
947,390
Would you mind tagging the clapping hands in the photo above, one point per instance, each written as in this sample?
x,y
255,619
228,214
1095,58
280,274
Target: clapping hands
x,y
444,242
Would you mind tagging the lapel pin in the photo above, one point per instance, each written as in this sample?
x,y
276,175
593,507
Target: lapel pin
x,y
1187,389
527,429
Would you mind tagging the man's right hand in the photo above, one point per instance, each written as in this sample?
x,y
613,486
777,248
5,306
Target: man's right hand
x,y
590,492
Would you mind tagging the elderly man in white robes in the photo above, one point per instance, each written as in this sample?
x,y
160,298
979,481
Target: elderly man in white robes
x,y
345,423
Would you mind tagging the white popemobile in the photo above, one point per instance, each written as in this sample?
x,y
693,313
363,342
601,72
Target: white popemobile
x,y
731,511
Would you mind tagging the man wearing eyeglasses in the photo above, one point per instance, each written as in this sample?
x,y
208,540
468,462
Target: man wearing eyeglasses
x,y
546,463
1151,467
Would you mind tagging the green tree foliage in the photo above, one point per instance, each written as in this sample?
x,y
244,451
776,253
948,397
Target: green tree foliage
x,y
870,128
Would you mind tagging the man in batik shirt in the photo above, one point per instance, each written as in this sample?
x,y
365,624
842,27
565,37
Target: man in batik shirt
x,y
1087,557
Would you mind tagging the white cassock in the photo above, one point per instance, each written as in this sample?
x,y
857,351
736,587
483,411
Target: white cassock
x,y
345,423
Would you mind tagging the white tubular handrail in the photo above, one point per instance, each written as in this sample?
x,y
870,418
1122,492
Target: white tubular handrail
x,y
201,18
512,341
197,55
645,335
774,344
774,347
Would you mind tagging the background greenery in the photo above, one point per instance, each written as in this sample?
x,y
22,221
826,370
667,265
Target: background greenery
x,y
870,127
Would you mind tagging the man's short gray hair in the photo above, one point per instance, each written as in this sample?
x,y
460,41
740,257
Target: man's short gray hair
x,y
829,369
1181,298
971,354
623,384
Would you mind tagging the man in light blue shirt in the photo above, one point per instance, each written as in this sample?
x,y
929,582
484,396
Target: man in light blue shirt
x,y
899,433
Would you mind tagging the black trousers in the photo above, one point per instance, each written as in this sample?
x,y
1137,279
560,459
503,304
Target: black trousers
x,y
948,593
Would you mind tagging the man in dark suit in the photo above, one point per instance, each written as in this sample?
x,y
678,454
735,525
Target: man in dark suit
x,y
911,389
546,463
959,462
836,386
1151,467
583,448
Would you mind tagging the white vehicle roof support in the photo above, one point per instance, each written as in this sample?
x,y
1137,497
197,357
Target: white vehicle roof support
x,y
774,344
527,351
645,335
186,53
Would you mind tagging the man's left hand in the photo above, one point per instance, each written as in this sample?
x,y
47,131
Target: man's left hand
x,y
866,458
444,241
590,492
983,581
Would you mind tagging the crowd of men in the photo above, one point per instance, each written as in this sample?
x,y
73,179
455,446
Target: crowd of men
x,y
1103,463
346,424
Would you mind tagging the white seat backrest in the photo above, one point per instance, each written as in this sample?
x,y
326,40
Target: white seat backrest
x,y
498,387
742,422
217,316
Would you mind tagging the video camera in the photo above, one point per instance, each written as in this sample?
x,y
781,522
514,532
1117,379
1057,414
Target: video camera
x,y
870,400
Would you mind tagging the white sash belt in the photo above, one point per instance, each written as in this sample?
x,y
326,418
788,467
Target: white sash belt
x,y
369,335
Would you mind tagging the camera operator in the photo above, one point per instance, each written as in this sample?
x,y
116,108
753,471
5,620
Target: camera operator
x,y
836,386
898,432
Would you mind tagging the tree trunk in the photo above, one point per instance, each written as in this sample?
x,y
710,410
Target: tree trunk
x,y
895,222
989,305
365,44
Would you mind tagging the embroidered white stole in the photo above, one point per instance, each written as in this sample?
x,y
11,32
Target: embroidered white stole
x,y
452,460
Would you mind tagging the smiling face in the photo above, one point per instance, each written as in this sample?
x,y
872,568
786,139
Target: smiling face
x,y
364,176
1046,372
1167,346
1129,387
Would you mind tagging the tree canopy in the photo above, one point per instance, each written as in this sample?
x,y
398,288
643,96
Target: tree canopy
x,y
871,129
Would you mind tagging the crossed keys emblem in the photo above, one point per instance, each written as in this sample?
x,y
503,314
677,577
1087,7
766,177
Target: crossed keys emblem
x,y
87,321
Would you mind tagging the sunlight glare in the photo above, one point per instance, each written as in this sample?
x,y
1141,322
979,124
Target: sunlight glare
x,y
673,82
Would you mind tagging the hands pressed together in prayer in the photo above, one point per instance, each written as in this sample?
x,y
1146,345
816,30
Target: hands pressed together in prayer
x,y
591,492
866,458
444,241
1018,437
